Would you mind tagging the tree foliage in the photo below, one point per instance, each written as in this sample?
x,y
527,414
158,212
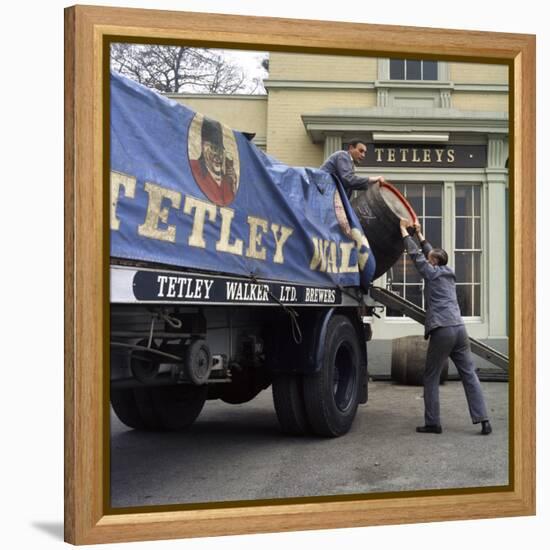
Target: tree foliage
x,y
176,69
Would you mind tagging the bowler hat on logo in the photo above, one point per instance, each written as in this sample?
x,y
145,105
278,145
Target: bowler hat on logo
x,y
212,131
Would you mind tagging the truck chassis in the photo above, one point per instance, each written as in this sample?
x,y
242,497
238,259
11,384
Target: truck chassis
x,y
177,341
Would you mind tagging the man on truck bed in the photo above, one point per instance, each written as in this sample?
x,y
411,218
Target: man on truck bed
x,y
445,329
342,164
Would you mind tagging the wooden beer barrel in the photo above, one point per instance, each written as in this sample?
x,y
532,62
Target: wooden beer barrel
x,y
379,210
408,358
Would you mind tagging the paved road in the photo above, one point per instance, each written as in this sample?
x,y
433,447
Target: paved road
x,y
236,452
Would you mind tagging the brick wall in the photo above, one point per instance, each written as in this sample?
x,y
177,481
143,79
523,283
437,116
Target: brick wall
x,y
287,139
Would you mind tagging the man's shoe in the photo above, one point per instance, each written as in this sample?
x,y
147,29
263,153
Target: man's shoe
x,y
486,427
429,429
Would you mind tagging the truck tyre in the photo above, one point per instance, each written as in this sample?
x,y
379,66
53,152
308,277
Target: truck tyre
x,y
163,408
288,399
142,368
332,393
177,407
126,408
145,406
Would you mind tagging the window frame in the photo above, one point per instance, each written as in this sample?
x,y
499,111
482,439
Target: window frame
x,y
403,285
443,74
448,239
422,79
482,242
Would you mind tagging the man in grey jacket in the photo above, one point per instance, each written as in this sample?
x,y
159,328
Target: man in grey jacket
x,y
342,164
446,331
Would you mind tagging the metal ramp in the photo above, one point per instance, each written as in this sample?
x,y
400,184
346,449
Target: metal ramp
x,y
390,299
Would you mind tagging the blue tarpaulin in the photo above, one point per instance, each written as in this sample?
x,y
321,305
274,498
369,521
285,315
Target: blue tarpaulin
x,y
191,193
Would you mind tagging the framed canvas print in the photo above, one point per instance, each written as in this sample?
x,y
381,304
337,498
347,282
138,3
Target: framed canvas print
x,y
246,307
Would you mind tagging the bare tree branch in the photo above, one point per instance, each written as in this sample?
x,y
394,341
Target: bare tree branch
x,y
173,69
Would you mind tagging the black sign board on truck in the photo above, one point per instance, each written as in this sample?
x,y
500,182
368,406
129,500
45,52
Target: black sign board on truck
x,y
156,286
420,156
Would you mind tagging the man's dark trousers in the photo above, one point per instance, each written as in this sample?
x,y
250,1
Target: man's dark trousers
x,y
451,342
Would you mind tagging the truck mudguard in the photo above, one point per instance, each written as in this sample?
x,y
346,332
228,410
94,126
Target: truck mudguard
x,y
189,192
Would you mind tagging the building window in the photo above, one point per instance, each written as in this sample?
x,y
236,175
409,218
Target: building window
x,y
403,278
412,69
468,249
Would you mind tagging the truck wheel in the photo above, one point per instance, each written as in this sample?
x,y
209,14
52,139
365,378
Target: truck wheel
x,y
142,368
288,398
198,362
164,408
332,393
126,408
172,408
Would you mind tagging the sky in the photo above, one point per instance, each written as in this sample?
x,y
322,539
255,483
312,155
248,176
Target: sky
x,y
250,62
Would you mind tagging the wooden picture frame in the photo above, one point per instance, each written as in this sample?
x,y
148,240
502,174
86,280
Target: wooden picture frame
x,y
87,30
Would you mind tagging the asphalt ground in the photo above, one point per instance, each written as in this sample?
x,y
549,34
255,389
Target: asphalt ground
x,y
237,452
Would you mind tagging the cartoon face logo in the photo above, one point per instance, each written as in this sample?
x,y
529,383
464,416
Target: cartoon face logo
x,y
341,215
214,159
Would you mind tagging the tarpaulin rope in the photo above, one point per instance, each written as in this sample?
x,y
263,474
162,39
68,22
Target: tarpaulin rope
x,y
292,313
